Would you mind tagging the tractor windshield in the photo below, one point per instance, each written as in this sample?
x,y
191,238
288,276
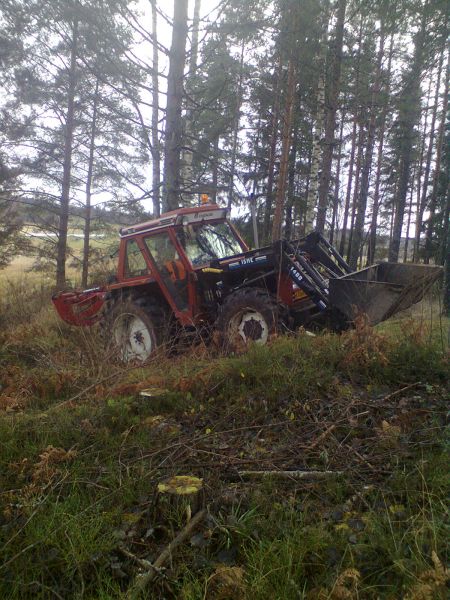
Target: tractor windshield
x,y
204,242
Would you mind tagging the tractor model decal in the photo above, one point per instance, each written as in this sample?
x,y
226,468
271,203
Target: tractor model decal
x,y
246,262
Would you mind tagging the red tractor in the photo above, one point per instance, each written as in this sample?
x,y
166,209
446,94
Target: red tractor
x,y
189,273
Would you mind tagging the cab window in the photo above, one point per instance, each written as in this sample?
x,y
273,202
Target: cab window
x,y
161,248
135,264
204,242
170,267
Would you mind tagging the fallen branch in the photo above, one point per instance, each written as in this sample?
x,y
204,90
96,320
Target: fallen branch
x,y
403,389
143,579
289,474
362,459
144,564
321,437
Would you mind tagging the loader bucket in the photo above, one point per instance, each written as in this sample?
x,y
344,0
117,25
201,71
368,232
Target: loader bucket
x,y
382,290
80,308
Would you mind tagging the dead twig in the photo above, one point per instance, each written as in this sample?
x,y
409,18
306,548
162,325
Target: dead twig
x,y
289,474
142,580
362,459
401,390
320,438
144,564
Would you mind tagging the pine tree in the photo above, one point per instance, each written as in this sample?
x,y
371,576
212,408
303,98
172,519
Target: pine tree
x,y
174,127
385,101
358,233
435,218
409,110
426,176
69,47
156,151
332,92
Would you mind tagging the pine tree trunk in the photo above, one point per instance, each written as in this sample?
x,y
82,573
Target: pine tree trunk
x,y
423,198
156,153
303,215
337,182
408,225
358,231
418,224
215,169
391,224
255,211
330,118
291,186
437,168
376,198
444,258
187,153
357,184
399,206
174,129
272,154
313,188
87,217
284,160
195,31
236,128
348,193
408,116
61,248
376,194
312,197
426,176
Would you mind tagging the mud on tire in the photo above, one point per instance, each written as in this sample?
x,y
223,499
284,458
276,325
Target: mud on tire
x,y
248,315
133,328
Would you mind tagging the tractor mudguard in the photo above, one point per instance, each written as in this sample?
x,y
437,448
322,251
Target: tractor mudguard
x,y
80,307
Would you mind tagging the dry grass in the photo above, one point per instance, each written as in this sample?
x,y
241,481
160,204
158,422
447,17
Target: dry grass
x,y
81,456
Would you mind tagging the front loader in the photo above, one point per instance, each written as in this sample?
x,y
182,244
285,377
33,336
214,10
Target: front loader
x,y
189,272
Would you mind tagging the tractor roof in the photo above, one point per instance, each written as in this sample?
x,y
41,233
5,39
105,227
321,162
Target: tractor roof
x,y
194,214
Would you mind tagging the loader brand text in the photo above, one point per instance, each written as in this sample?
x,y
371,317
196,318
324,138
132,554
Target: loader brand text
x,y
244,262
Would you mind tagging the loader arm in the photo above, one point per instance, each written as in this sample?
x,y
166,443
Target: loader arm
x,y
302,272
319,249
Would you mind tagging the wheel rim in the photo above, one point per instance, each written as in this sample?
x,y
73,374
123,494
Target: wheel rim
x,y
249,326
132,338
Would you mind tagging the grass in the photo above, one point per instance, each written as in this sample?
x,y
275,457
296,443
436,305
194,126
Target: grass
x,y
20,270
299,548
79,471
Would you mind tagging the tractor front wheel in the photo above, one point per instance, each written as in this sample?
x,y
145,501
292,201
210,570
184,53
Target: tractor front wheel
x,y
135,329
248,315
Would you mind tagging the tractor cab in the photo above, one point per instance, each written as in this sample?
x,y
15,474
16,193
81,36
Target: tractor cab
x,y
172,252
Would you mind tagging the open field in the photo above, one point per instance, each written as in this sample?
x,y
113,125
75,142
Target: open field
x,y
21,267
82,454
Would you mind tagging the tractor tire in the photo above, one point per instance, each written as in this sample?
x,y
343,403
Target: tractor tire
x,y
134,328
249,315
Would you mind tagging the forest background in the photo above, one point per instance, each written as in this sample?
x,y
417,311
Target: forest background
x,y
327,115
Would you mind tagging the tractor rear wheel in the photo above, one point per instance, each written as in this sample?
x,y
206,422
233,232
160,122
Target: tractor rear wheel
x,y
135,329
248,315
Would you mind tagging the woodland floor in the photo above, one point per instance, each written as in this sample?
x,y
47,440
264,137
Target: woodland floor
x,y
82,454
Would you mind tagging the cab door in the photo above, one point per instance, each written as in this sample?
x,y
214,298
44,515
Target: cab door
x,y
174,273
